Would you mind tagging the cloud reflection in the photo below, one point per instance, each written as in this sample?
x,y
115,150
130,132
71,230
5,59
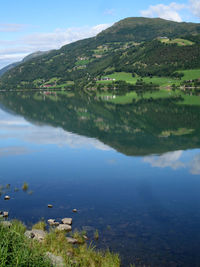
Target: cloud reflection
x,y
12,126
195,165
174,160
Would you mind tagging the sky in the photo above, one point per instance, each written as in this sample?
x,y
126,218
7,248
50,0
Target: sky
x,y
29,26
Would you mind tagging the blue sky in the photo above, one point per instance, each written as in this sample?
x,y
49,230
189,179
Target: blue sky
x,y
29,26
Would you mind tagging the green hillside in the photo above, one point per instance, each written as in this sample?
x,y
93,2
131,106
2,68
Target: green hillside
x,y
133,45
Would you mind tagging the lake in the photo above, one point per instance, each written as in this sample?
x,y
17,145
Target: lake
x,y
132,171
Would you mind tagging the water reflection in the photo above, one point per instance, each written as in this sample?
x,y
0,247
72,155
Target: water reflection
x,y
141,128
131,171
175,160
13,126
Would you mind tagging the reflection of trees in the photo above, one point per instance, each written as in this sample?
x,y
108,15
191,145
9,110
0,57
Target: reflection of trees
x,y
133,129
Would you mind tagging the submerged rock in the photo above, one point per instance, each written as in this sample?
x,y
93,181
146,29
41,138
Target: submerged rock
x,y
64,227
56,261
67,221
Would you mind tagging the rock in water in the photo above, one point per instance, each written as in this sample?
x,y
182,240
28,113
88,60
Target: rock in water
x,y
5,214
7,197
50,206
67,221
64,227
52,222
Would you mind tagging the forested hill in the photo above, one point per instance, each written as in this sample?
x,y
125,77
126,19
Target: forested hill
x,y
142,46
146,29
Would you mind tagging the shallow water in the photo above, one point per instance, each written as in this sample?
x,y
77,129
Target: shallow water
x,y
140,193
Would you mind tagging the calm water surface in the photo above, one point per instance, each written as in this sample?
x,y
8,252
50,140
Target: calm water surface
x,y
146,205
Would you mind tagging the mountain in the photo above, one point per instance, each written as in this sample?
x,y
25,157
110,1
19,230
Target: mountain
x,y
143,47
146,29
29,57
8,67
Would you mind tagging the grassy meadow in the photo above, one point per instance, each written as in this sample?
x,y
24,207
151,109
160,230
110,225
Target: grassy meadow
x,y
161,81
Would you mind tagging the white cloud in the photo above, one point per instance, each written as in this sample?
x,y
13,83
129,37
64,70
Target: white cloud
x,y
168,12
170,159
195,7
11,27
12,51
61,37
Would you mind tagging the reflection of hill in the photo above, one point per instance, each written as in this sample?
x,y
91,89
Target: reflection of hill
x,y
142,128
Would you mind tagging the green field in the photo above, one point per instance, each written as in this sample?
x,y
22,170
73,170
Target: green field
x,y
190,74
123,76
82,62
161,81
178,41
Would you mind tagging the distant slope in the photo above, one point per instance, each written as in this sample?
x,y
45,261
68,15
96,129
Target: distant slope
x,y
131,45
8,67
29,57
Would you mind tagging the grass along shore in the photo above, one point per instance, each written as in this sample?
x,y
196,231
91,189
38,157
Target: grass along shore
x,y
53,249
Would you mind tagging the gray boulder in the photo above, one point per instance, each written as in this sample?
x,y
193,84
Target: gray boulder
x,y
67,221
64,227
56,261
38,235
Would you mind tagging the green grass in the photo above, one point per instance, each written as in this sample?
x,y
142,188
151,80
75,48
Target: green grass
x,y
82,62
123,76
18,250
178,132
25,186
162,81
52,80
190,74
178,41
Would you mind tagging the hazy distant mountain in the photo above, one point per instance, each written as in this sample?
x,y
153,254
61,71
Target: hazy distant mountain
x,y
30,56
